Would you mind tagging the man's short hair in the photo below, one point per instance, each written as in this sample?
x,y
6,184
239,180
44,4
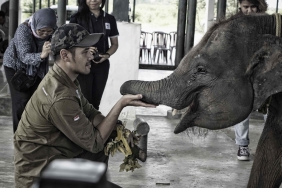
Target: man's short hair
x,y
72,35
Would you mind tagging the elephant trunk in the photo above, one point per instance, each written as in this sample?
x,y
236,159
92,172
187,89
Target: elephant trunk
x,y
153,92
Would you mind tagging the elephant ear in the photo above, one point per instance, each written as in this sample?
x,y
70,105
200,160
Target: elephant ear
x,y
265,70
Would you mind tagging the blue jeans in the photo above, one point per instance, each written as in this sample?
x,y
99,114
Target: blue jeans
x,y
242,132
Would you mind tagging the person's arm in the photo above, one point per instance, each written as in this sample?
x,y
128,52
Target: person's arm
x,y
113,35
66,114
108,124
111,51
114,45
25,47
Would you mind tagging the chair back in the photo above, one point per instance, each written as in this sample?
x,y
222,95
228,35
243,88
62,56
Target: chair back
x,y
173,37
146,39
161,39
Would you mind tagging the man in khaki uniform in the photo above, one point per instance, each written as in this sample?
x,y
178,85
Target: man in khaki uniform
x,y
58,122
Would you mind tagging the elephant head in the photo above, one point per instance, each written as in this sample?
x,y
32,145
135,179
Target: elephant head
x,y
231,72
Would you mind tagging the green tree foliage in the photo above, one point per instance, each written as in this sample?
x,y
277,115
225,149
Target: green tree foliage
x,y
231,7
158,14
27,6
155,13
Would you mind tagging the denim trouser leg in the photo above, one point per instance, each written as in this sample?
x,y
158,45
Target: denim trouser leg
x,y
264,117
242,133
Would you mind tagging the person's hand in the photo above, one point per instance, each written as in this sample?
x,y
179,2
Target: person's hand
x,y
134,100
103,58
90,54
46,49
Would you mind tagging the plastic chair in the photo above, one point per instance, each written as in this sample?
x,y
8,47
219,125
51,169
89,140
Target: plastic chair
x,y
161,44
146,39
173,37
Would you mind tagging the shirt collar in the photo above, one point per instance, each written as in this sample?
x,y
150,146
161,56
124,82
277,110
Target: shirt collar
x,y
63,76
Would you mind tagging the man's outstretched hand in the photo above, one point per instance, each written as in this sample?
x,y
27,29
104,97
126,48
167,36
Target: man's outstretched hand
x,y
134,100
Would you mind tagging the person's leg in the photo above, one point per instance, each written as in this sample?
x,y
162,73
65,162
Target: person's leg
x,y
112,185
264,117
97,157
19,99
242,139
101,72
242,133
100,156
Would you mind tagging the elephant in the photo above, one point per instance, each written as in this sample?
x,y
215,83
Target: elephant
x,y
234,70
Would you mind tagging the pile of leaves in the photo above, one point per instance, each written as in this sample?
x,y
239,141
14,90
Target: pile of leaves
x,y
120,144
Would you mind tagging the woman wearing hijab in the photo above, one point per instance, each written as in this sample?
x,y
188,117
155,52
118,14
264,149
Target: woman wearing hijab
x,y
29,50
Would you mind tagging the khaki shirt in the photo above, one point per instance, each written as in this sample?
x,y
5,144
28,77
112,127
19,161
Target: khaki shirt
x,y
56,123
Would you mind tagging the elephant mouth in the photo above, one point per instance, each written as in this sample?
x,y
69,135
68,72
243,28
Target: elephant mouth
x,y
190,113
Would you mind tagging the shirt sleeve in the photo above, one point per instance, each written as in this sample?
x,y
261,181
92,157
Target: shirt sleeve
x,y
114,30
88,109
69,118
25,47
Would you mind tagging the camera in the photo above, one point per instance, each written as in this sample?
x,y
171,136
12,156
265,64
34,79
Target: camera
x,y
97,57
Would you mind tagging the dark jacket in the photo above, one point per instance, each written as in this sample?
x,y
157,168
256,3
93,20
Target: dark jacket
x,y
23,50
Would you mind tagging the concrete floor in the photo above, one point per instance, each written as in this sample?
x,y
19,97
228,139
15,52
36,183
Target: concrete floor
x,y
188,160
177,161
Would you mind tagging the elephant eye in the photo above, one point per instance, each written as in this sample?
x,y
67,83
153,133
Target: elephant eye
x,y
201,69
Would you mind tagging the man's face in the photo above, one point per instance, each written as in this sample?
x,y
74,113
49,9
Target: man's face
x,y
248,8
94,4
44,32
81,60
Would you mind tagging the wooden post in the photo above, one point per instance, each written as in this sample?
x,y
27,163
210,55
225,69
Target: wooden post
x,y
190,27
13,16
209,14
62,13
181,24
221,9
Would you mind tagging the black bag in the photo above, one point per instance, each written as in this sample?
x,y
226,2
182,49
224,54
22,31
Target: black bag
x,y
21,81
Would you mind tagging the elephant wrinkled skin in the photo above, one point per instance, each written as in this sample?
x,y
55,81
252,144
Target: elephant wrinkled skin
x,y
230,73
